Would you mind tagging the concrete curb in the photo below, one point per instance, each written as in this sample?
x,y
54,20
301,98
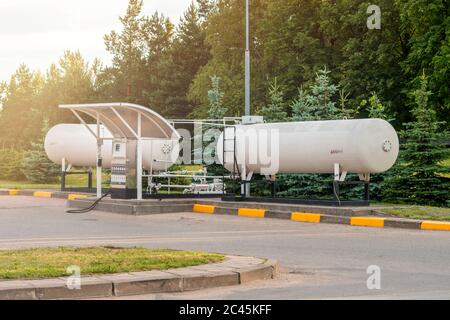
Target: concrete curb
x,y
235,270
44,194
361,221
82,201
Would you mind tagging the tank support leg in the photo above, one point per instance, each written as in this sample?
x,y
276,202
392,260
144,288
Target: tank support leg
x,y
245,183
63,174
90,180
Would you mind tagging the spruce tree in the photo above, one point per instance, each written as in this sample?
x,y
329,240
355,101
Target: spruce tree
x,y
215,96
419,178
375,110
302,107
314,106
36,166
323,92
275,109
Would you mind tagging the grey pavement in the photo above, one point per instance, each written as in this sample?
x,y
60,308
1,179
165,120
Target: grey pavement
x,y
319,261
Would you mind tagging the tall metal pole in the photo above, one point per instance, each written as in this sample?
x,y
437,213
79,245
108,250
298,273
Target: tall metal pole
x,y
247,60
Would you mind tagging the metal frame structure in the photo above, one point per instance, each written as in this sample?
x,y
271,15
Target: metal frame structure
x,y
88,189
221,123
121,126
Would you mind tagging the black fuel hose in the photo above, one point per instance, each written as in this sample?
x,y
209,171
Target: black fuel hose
x,y
91,207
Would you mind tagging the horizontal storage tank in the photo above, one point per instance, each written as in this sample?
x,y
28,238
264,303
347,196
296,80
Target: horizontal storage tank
x,y
358,146
78,146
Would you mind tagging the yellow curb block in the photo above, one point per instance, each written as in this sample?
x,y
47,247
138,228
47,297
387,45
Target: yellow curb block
x,y
435,225
251,213
367,222
76,196
305,217
201,208
42,194
13,192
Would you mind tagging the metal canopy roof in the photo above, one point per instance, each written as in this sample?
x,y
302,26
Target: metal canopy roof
x,y
122,119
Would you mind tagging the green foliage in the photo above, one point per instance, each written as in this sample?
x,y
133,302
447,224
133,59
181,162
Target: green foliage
x,y
11,164
426,25
346,111
275,109
320,104
187,54
216,108
169,68
302,107
419,177
29,97
367,60
36,166
323,91
375,108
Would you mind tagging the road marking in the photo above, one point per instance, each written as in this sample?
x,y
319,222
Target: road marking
x,y
42,194
201,208
435,225
305,217
367,222
156,239
251,213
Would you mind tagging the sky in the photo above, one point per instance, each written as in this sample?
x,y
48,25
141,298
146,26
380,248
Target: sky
x,y
36,32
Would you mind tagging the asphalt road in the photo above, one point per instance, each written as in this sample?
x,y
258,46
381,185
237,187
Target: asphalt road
x,y
318,261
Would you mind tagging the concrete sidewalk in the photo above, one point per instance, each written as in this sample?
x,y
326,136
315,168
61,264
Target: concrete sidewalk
x,y
234,270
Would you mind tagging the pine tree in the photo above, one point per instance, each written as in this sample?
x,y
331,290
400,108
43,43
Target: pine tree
x,y
128,49
205,8
375,110
188,53
318,105
36,166
419,178
216,109
275,110
302,107
323,92
11,164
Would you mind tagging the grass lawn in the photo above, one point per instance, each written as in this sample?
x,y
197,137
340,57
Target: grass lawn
x,y
417,212
53,262
20,185
73,181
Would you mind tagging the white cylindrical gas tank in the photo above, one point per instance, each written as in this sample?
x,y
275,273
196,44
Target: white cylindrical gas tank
x,y
358,146
75,144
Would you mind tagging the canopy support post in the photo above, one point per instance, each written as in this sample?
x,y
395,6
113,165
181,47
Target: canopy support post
x,y
139,158
99,159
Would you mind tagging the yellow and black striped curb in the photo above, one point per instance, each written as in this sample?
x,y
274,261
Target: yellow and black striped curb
x,y
43,194
374,222
234,270
360,221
